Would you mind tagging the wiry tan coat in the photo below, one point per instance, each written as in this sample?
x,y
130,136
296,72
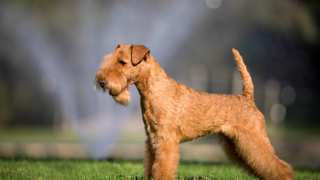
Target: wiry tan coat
x,y
173,113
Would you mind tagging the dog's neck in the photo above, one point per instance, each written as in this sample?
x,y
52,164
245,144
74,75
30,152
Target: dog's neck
x,y
152,78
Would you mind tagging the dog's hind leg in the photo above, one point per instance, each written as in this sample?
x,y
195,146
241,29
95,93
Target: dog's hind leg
x,y
255,150
230,150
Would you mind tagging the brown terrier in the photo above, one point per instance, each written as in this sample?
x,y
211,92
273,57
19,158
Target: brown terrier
x,y
173,113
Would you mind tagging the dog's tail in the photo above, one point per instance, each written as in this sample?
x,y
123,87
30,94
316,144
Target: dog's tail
x,y
248,89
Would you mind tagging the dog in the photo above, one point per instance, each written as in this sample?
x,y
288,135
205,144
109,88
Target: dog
x,y
174,113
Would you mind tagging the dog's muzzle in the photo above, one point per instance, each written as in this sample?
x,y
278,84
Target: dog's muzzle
x,y
103,85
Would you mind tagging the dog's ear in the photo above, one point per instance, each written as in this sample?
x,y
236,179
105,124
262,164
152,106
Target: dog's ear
x,y
138,53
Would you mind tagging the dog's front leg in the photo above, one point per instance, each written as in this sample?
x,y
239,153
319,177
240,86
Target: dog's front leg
x,y
148,160
166,159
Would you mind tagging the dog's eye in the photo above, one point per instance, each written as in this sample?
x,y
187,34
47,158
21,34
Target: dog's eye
x,y
122,62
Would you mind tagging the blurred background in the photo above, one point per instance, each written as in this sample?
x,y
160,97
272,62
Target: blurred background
x,y
50,51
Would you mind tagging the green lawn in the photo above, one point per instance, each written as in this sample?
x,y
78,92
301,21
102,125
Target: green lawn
x,y
25,169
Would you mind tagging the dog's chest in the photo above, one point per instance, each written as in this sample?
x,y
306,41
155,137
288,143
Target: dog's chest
x,y
153,114
148,113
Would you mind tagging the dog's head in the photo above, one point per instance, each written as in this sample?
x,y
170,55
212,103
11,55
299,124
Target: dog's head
x,y
120,69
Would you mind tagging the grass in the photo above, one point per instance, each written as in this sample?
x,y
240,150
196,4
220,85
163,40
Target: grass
x,y
32,169
47,169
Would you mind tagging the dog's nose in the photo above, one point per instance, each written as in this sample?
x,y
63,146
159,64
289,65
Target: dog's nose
x,y
102,83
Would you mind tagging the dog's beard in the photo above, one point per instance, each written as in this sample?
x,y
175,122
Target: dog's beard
x,y
123,97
